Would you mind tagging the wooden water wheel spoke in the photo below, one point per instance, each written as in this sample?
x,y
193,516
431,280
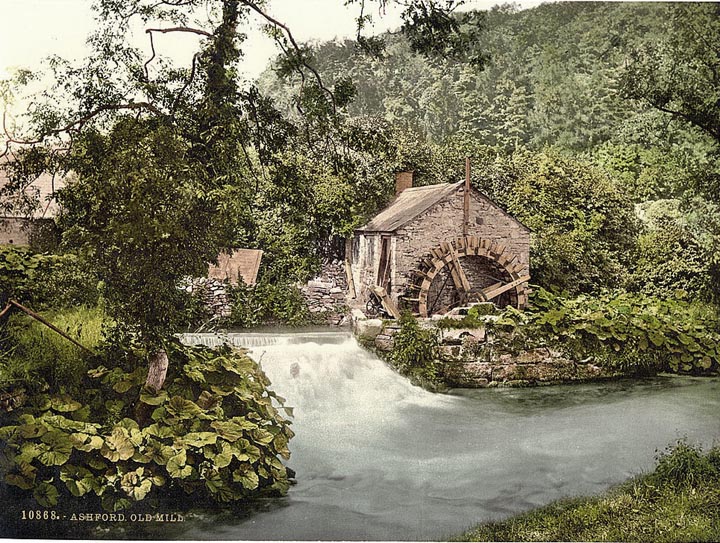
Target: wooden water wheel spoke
x,y
504,267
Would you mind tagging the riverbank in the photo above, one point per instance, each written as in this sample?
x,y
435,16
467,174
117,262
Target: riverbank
x,y
677,502
478,357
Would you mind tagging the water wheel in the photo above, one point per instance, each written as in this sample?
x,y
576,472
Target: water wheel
x,y
466,270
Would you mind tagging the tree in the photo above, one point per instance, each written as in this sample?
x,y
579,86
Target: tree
x,y
583,224
168,159
679,74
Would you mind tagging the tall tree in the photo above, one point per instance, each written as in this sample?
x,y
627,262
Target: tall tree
x,y
166,158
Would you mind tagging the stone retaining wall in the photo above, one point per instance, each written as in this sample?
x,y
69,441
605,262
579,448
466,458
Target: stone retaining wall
x,y
470,358
213,294
325,295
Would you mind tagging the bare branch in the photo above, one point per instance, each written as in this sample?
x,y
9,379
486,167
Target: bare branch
x,y
77,124
252,5
152,47
176,102
191,30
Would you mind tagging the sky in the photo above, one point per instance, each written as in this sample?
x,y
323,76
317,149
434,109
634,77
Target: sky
x,y
31,30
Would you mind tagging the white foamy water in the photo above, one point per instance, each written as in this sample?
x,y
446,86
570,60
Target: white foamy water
x,y
379,459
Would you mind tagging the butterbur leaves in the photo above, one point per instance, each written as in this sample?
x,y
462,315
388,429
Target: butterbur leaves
x,y
56,449
23,476
64,404
182,408
151,397
118,446
176,466
46,494
219,437
79,481
135,484
230,431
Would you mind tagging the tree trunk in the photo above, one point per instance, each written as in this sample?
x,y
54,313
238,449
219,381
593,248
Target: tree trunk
x,y
157,370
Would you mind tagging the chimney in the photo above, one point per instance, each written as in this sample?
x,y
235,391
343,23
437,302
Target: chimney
x,y
403,180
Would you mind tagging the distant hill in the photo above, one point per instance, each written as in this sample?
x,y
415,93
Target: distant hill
x,y
552,78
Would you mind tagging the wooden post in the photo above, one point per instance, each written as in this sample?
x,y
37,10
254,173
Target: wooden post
x,y
466,198
46,323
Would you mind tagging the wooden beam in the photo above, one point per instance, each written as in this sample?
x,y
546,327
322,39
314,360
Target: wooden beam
x,y
464,283
387,303
48,324
466,198
494,292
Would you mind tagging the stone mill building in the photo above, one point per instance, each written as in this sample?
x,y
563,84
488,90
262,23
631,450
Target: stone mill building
x,y
439,246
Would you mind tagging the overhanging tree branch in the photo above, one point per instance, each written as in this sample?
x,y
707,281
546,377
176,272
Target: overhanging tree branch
x,y
296,47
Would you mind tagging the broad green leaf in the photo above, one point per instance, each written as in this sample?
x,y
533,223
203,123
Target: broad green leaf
x,y
182,408
656,338
29,451
31,430
158,453
79,481
176,466
199,439
158,430
6,432
64,404
229,431
208,401
148,397
56,450
22,476
246,477
135,484
118,446
46,495
86,443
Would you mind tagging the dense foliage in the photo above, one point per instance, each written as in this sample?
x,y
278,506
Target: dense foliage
x,y
583,225
215,431
46,280
674,503
416,351
631,332
612,84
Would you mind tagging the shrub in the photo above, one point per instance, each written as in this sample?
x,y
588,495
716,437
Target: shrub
x,y
268,302
214,431
584,224
416,350
684,464
629,331
46,280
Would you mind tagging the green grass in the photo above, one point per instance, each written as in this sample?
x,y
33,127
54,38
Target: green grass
x,y
678,502
34,357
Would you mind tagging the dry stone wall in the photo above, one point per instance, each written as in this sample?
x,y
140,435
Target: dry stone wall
x,y
213,294
325,295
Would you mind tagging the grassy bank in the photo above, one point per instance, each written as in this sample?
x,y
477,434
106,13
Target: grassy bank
x,y
679,501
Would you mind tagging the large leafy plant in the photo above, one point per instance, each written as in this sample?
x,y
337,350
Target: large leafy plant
x,y
215,430
619,328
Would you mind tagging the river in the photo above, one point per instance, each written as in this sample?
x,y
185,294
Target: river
x,y
379,459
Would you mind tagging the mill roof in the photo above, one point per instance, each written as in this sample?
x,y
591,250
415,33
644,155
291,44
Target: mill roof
x,y
413,202
408,205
